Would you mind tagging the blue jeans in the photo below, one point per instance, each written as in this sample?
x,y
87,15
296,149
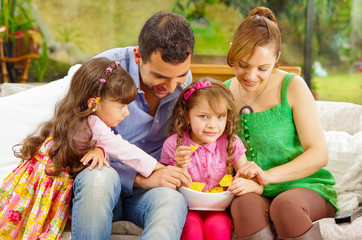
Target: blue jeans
x,y
97,202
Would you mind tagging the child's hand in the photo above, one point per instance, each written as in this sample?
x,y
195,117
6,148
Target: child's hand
x,y
182,156
95,155
251,170
240,186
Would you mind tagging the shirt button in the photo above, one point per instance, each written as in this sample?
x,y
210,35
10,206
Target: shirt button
x,y
156,121
143,141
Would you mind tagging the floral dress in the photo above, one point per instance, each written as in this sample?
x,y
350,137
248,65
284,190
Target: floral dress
x,y
34,205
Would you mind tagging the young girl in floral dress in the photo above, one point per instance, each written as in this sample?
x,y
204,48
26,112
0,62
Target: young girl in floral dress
x,y
34,198
204,116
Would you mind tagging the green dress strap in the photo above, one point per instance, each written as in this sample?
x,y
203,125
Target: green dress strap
x,y
227,82
284,89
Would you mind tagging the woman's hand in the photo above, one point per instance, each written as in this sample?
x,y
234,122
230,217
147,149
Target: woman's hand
x,y
95,155
182,156
250,170
240,186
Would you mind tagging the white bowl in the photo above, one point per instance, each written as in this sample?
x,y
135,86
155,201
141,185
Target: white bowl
x,y
206,201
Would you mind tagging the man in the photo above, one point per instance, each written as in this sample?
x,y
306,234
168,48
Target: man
x,y
160,67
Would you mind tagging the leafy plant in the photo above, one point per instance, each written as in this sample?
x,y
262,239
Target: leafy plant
x,y
193,9
15,15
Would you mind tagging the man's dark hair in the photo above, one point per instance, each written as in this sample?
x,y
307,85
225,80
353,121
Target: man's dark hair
x,y
168,33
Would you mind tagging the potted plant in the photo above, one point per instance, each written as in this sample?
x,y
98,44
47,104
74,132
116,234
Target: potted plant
x,y
22,35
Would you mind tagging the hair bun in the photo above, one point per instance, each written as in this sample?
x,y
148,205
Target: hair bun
x,y
263,12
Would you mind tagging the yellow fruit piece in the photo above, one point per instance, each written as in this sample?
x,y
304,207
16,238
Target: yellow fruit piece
x,y
197,186
193,148
216,190
226,180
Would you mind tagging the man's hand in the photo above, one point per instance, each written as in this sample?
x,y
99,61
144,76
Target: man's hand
x,y
170,176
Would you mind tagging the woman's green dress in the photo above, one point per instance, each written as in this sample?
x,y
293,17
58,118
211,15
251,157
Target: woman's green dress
x,y
272,140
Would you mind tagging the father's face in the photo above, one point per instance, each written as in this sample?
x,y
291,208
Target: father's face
x,y
160,77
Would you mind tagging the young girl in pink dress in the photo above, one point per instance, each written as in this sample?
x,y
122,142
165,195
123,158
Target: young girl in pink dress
x,y
204,116
34,198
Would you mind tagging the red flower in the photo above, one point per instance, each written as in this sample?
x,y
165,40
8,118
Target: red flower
x,y
13,216
35,185
47,229
49,182
30,170
69,197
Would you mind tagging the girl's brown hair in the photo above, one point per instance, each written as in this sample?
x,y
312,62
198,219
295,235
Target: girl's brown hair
x,y
69,123
259,29
214,95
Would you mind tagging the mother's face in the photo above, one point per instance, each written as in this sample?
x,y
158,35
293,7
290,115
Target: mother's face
x,y
253,70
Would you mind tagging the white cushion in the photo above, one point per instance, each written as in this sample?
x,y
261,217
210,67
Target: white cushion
x,y
345,163
340,116
346,231
23,112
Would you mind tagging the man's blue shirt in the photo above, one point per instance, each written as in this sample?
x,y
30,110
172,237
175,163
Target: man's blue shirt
x,y
140,128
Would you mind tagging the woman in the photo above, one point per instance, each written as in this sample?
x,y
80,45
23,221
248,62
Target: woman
x,y
282,132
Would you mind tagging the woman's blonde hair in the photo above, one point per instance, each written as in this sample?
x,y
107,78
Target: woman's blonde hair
x,y
259,29
214,95
69,123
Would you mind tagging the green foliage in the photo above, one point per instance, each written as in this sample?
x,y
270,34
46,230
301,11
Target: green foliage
x,y
340,87
55,70
42,63
16,15
193,9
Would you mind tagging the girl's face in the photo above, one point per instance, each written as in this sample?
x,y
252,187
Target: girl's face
x,y
257,70
206,125
111,113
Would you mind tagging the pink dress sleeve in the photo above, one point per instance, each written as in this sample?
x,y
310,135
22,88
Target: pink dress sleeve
x,y
239,148
115,146
168,151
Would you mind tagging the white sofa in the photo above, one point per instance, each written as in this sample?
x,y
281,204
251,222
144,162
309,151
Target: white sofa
x,y
22,111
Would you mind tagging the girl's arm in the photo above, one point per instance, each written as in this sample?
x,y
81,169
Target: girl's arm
x,y
310,132
97,156
120,149
247,169
240,186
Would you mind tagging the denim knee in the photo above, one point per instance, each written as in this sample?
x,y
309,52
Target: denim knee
x,y
96,193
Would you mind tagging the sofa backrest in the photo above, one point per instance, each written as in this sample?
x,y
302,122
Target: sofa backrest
x,y
224,72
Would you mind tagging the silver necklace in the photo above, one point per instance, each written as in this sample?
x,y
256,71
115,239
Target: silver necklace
x,y
247,108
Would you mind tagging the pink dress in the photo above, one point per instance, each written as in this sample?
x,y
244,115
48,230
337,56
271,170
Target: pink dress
x,y
34,205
